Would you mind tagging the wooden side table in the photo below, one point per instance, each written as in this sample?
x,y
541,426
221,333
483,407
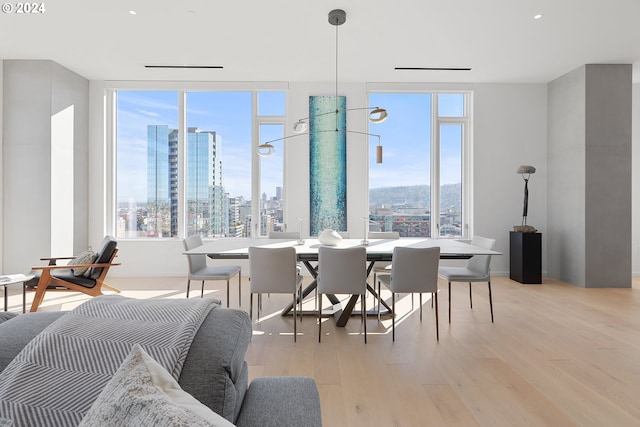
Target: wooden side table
x,y
12,279
525,261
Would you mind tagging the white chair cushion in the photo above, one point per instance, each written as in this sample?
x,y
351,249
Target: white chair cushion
x,y
220,272
462,274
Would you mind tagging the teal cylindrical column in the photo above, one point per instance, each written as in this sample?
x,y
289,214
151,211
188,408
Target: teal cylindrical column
x,y
327,163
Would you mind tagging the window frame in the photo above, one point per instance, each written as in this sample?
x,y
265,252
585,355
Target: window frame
x,y
465,121
111,89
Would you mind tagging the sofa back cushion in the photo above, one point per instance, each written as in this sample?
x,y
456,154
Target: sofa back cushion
x,y
15,333
214,371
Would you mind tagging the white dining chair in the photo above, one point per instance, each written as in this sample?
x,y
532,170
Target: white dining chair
x,y
413,270
273,270
199,270
382,267
476,270
342,271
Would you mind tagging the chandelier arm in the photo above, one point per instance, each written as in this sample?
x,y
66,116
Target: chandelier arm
x,y
333,112
322,131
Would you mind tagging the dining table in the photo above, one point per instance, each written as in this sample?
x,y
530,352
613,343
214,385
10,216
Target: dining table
x,y
377,250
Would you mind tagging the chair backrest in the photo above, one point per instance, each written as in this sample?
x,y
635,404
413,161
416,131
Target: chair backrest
x,y
284,234
106,253
196,262
415,269
480,263
272,270
384,235
342,270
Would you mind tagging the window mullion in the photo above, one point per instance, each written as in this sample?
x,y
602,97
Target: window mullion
x,y
435,168
182,163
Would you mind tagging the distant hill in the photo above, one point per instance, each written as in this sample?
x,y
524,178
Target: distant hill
x,y
415,195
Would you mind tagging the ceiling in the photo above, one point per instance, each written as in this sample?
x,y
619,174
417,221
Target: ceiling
x,y
292,40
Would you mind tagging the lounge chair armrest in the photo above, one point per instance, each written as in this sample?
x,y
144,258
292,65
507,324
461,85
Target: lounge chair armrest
x,y
56,267
54,260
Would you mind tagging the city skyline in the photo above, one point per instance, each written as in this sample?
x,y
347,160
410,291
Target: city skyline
x,y
229,115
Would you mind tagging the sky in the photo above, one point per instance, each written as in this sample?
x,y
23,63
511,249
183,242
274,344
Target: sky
x,y
404,135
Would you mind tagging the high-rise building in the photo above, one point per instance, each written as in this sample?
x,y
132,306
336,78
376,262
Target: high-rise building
x,y
206,211
160,218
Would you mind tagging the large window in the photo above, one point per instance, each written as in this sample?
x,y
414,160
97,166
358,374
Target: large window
x,y
420,190
193,176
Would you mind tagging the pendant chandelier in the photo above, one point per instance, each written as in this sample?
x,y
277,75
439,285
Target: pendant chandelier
x,y
337,17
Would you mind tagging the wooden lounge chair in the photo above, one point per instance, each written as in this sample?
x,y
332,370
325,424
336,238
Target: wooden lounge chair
x,y
54,277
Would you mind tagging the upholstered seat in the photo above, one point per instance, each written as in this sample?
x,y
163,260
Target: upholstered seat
x,y
199,270
475,270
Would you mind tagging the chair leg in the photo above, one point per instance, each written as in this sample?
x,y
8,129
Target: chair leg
x,y
364,314
393,316
295,315
111,288
300,299
379,295
239,289
188,285
41,289
227,293
490,302
420,306
449,302
202,290
251,307
319,317
470,300
435,296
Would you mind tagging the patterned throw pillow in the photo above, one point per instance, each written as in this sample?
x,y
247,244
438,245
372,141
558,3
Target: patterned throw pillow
x,y
86,257
143,393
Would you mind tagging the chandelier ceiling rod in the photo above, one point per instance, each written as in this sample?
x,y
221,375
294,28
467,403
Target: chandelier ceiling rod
x,y
337,17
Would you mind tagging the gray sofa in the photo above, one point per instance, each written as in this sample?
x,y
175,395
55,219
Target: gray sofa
x,y
214,371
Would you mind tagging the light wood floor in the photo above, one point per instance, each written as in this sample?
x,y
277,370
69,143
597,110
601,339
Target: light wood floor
x,y
557,355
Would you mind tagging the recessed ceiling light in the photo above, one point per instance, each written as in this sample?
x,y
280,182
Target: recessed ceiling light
x,y
132,12
538,16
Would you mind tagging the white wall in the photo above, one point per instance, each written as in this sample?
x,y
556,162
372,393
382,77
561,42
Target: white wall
x,y
33,92
510,129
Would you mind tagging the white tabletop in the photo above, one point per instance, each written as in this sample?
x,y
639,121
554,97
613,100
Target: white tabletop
x,y
10,279
376,249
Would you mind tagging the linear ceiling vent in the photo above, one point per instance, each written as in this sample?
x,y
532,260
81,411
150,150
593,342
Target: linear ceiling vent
x,y
434,68
184,66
